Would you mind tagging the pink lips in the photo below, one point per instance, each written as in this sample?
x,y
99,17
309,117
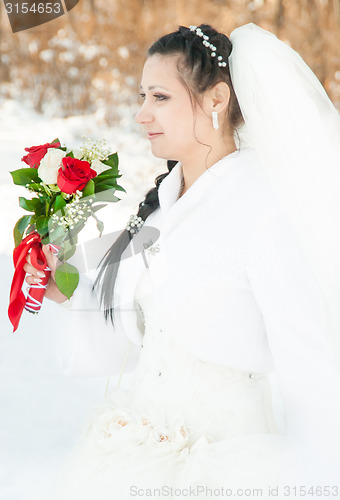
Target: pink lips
x,y
153,136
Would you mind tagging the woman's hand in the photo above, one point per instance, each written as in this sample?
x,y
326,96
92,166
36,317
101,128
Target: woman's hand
x,y
34,275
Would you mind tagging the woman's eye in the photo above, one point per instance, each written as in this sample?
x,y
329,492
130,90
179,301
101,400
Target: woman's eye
x,y
158,97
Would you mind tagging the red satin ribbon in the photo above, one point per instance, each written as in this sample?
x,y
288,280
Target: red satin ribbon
x,y
17,302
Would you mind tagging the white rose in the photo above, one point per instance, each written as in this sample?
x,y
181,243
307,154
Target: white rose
x,y
77,153
98,166
49,165
114,428
167,440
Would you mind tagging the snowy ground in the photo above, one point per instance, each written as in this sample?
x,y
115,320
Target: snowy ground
x,y
41,409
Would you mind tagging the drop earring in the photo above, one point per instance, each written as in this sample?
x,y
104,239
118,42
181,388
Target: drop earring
x,y
215,120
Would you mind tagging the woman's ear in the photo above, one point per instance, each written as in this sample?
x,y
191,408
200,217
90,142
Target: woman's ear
x,y
219,97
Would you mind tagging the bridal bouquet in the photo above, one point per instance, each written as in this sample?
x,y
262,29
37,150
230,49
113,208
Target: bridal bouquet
x,y
65,188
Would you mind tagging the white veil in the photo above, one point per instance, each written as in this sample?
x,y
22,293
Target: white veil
x,y
295,130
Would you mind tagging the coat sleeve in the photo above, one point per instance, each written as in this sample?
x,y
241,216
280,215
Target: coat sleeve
x,y
294,315
88,345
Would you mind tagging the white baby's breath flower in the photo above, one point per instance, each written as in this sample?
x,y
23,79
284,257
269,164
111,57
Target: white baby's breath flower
x,y
75,211
94,150
50,164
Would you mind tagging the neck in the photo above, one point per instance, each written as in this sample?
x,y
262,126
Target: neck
x,y
194,168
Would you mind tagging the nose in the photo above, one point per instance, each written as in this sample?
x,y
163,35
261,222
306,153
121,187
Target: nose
x,y
143,115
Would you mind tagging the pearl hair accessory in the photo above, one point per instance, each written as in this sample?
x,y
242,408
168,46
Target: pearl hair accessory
x,y
209,45
134,224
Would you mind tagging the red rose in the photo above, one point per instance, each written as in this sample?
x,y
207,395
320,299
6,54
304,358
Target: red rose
x,y
74,175
36,153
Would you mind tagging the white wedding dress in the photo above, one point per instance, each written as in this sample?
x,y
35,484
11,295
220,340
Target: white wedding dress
x,y
225,313
182,425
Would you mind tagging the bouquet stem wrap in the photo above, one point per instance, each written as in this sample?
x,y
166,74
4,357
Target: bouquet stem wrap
x,y
18,302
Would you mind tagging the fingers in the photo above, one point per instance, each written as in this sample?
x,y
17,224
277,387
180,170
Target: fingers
x,y
28,268
50,257
31,280
34,275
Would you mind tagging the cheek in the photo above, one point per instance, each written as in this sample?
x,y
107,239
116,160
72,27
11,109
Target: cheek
x,y
184,123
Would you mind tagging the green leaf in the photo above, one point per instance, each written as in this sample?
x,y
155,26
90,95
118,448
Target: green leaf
x,y
99,224
70,154
54,188
46,198
106,195
24,176
55,236
59,203
109,171
31,228
32,205
89,189
98,207
67,279
77,228
112,161
36,186
106,174
55,141
71,236
47,190
106,177
17,235
67,250
42,224
19,228
24,222
119,188
104,186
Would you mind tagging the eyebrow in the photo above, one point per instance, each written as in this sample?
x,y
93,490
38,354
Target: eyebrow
x,y
154,87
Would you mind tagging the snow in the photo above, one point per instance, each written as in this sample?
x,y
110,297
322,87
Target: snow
x,y
42,410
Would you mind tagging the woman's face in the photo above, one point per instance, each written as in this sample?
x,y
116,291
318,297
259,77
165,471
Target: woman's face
x,y
167,112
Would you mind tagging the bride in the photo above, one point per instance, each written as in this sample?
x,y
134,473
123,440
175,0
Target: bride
x,y
213,291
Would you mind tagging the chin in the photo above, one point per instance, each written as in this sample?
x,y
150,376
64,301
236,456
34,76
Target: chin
x,y
163,156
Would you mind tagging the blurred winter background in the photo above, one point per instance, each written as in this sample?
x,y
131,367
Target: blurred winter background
x,y
78,76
